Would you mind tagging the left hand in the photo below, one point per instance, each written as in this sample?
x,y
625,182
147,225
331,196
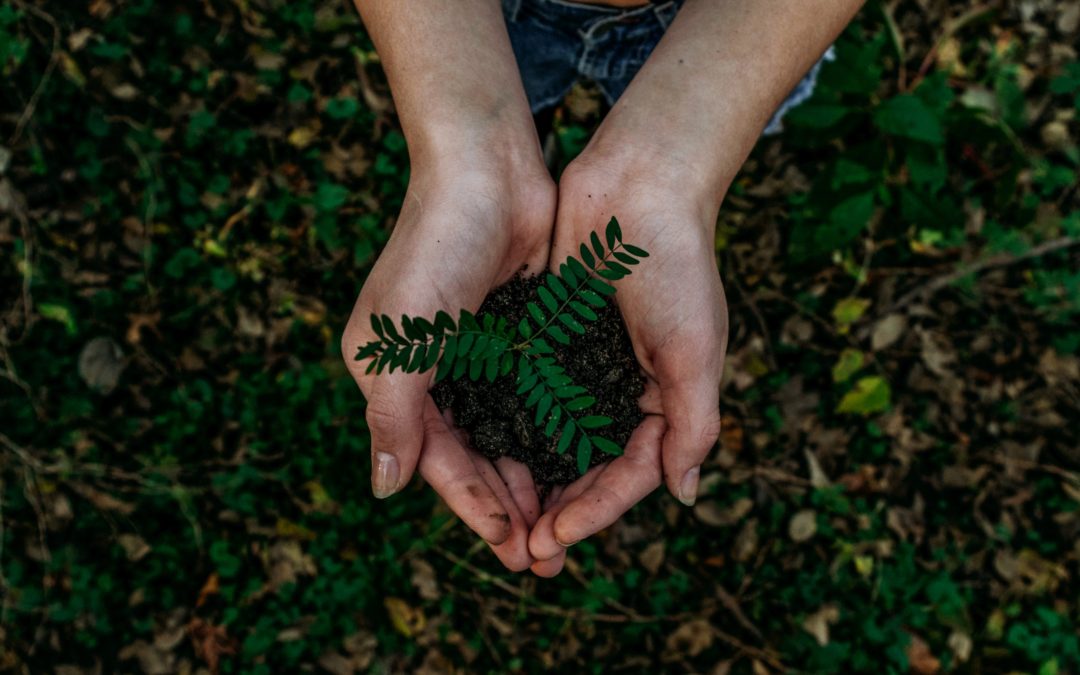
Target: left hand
x,y
675,311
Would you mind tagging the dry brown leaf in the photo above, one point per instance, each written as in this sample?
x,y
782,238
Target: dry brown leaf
x,y
961,645
920,659
151,660
817,624
210,642
653,556
134,546
209,588
887,331
746,543
803,526
286,561
818,478
691,638
100,364
102,500
423,578
711,513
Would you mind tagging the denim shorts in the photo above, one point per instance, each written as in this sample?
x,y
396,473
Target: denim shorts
x,y
558,42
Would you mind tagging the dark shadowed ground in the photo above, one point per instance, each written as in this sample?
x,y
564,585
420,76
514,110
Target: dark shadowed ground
x,y
191,194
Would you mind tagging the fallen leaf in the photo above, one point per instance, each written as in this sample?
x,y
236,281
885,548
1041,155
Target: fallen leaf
x,y
102,500
423,578
746,542
711,513
406,619
887,331
817,624
870,395
818,477
961,645
849,363
920,659
848,311
653,556
803,526
151,660
210,642
209,588
691,638
301,137
134,546
100,364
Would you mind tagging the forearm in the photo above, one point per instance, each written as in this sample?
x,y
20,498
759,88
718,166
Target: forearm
x,y
452,74
714,80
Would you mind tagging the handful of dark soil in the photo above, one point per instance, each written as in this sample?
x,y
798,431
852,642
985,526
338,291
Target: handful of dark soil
x,y
495,418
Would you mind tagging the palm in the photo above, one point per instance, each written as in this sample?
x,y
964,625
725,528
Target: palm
x,y
454,242
674,308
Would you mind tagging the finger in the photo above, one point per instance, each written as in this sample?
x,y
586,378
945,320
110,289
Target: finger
x,y
691,402
542,542
448,467
395,418
626,481
521,486
549,568
514,551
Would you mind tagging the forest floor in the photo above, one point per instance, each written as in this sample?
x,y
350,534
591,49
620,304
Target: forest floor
x,y
191,195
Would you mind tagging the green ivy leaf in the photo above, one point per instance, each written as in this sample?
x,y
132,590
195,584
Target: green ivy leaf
x,y
908,116
870,395
849,363
848,311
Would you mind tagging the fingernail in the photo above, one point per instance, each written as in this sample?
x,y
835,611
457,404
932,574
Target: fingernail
x,y
384,477
688,488
564,545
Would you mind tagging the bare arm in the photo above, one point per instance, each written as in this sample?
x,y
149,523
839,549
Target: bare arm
x,y
479,207
661,162
453,74
715,79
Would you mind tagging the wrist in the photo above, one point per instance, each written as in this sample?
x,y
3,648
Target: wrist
x,y
664,158
500,136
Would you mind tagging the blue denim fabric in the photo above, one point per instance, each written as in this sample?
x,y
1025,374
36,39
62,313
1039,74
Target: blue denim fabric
x,y
557,42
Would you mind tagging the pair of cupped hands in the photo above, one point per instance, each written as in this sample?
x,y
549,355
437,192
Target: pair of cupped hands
x,y
472,218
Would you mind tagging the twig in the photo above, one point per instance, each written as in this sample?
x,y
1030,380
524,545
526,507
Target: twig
x,y
3,580
951,28
54,58
749,300
924,291
889,11
1071,476
18,207
531,604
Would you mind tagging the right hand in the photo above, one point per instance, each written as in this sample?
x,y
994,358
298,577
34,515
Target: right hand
x,y
470,221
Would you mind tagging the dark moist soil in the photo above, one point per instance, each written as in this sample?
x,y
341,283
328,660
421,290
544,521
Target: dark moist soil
x,y
495,418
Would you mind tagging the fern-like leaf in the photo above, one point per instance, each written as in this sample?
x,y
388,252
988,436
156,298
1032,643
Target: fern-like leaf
x,y
486,346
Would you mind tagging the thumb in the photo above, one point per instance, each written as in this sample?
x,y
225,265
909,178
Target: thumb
x,y
691,403
395,410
